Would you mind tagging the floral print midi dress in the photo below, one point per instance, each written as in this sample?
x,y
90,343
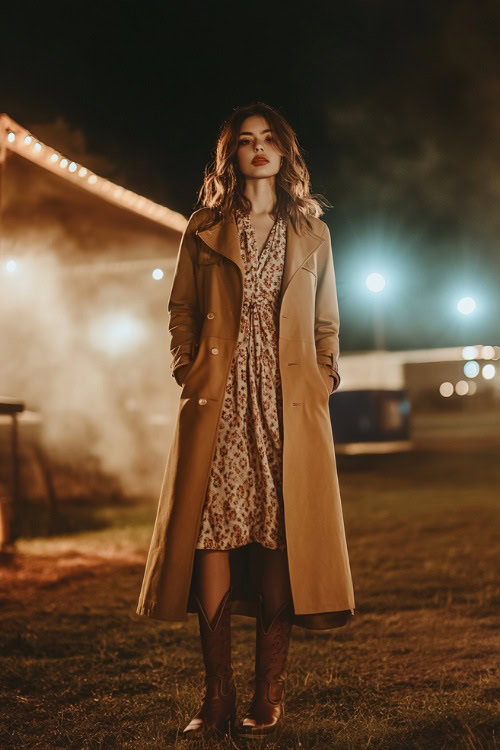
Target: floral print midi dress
x,y
244,500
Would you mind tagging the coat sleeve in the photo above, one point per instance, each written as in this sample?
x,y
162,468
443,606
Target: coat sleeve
x,y
327,322
183,307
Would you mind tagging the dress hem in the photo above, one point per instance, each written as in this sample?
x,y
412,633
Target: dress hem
x,y
250,541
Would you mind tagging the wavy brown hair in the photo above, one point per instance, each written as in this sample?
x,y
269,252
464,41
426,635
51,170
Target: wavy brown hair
x,y
224,183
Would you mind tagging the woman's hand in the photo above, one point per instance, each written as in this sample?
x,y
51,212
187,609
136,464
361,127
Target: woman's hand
x,y
325,372
330,377
180,373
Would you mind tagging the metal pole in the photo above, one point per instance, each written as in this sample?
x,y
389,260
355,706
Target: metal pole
x,y
378,323
3,161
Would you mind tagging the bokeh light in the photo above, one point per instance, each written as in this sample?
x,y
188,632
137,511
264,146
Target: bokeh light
x,y
466,305
470,352
488,372
157,274
446,389
375,282
487,352
471,369
116,333
461,387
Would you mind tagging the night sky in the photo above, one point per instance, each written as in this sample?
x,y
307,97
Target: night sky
x,y
396,105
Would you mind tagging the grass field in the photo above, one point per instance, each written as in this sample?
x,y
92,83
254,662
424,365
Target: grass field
x,y
417,668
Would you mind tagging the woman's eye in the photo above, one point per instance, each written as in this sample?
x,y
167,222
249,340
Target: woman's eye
x,y
245,140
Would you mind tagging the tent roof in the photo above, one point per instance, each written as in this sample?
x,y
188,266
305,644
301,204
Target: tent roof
x,y
17,139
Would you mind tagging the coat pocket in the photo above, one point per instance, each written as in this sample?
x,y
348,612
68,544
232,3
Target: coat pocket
x,y
181,372
326,378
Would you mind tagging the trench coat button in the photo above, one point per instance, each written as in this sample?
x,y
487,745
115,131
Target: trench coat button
x,y
202,401
210,315
214,350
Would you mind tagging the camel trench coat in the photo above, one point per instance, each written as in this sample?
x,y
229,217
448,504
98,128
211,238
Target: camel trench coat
x,y
205,307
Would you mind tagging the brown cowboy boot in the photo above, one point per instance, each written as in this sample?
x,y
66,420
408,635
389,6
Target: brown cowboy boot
x,y
218,710
267,705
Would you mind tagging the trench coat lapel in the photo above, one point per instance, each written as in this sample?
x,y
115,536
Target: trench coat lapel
x,y
224,239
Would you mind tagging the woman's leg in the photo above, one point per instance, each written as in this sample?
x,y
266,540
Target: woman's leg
x,y
212,578
273,631
213,592
274,579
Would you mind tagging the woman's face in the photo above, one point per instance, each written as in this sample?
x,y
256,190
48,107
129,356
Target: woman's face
x,y
257,141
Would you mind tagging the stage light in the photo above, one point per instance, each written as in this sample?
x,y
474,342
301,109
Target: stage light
x,y
375,282
466,305
116,333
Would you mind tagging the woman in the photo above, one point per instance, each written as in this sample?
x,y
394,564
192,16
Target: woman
x,y
249,520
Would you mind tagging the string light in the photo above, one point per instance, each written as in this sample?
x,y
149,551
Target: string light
x,y
19,140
